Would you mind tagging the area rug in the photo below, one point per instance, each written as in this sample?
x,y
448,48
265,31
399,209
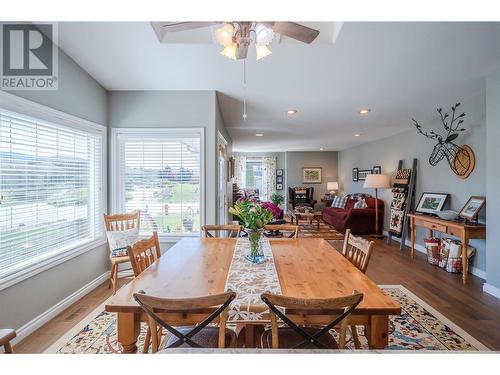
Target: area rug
x,y
419,327
325,231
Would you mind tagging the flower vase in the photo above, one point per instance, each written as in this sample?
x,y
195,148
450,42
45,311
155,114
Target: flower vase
x,y
256,254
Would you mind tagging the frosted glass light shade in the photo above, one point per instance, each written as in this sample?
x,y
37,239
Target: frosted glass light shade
x,y
224,35
377,181
230,51
332,186
262,51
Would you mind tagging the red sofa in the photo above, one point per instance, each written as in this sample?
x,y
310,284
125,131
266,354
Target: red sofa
x,y
358,220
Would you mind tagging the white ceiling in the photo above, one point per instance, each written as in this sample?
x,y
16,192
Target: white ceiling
x,y
399,70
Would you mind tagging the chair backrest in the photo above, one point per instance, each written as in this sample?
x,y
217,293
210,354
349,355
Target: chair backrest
x,y
121,222
293,230
144,253
199,311
357,250
300,312
233,230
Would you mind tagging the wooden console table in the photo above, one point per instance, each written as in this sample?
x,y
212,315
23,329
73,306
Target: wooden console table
x,y
461,230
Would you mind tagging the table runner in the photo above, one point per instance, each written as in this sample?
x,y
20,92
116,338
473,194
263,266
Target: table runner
x,y
249,281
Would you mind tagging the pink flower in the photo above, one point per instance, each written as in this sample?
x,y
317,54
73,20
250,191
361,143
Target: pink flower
x,y
271,207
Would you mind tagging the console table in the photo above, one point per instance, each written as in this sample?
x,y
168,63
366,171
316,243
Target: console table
x,y
461,230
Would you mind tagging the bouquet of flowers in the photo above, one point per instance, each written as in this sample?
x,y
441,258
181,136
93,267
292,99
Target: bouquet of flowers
x,y
252,214
270,206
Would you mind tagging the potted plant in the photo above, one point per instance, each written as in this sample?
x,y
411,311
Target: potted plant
x,y
277,198
254,217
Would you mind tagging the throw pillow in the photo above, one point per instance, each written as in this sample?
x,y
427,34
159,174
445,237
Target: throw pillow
x,y
361,203
119,240
339,202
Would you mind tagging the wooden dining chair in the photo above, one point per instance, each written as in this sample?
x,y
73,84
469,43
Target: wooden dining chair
x,y
143,254
120,223
297,331
358,251
6,336
232,230
194,314
292,230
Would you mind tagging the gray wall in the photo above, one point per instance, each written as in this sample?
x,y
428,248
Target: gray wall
x,y
175,109
79,95
408,145
493,179
296,160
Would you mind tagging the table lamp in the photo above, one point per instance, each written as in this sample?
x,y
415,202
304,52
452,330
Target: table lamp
x,y
377,181
332,186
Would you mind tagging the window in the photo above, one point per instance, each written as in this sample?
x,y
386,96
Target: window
x,y
159,172
254,174
51,191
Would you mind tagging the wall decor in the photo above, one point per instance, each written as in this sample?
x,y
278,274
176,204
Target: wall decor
x,y
279,186
311,175
400,188
472,207
355,174
461,159
362,173
377,169
429,203
279,172
279,179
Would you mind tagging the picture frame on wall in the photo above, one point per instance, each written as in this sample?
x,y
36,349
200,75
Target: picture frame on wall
x,y
279,172
355,174
279,186
377,169
311,175
362,173
279,179
472,207
430,203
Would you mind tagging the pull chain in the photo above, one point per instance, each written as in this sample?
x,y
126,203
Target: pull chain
x,y
244,90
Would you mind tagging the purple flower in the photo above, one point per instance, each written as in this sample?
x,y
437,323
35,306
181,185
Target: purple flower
x,y
271,207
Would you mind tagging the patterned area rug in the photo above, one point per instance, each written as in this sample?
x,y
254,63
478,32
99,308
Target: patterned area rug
x,y
325,231
419,327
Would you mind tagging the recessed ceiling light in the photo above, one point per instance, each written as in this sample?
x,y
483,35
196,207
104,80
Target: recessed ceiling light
x,y
357,135
259,135
291,112
364,111
321,148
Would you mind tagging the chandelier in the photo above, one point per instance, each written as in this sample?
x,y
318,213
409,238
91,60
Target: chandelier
x,y
236,37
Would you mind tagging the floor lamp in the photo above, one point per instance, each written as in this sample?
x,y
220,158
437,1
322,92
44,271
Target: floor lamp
x,y
377,181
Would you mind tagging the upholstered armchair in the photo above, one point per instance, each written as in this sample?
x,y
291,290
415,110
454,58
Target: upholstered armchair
x,y
301,196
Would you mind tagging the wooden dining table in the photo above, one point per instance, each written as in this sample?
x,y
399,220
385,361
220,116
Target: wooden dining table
x,y
306,268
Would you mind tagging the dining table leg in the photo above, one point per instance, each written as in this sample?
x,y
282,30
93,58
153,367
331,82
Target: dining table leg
x,y
378,335
128,329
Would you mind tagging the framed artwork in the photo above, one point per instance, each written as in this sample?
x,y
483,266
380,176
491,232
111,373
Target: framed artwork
x,y
279,186
355,174
429,203
279,179
377,169
472,207
311,175
362,173
279,172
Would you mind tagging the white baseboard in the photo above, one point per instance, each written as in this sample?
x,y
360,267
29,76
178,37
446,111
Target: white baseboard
x,y
490,289
420,248
52,312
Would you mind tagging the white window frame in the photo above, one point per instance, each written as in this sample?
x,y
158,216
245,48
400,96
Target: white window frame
x,y
26,107
116,198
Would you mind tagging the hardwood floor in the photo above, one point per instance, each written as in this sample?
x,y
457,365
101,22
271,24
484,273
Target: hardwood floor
x,y
467,306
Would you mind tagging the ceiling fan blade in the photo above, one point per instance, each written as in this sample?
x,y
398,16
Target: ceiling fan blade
x,y
241,52
296,31
173,27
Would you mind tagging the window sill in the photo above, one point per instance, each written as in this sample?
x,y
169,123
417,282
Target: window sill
x,y
49,263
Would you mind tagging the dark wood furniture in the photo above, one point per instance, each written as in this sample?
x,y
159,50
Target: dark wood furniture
x,y
310,216
461,230
302,199
306,267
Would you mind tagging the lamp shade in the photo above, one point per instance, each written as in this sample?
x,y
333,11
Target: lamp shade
x,y
377,181
332,185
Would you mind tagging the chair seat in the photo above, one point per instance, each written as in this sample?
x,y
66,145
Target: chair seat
x,y
208,337
288,338
6,335
119,260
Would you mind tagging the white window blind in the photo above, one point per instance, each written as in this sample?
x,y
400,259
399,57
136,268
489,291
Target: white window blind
x,y
160,175
51,190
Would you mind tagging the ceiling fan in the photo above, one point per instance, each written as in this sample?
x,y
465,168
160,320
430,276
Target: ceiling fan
x,y
236,36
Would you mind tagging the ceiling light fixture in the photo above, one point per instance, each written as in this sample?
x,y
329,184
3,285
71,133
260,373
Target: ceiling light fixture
x,y
259,135
364,111
230,51
291,112
321,148
357,135
261,51
224,35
